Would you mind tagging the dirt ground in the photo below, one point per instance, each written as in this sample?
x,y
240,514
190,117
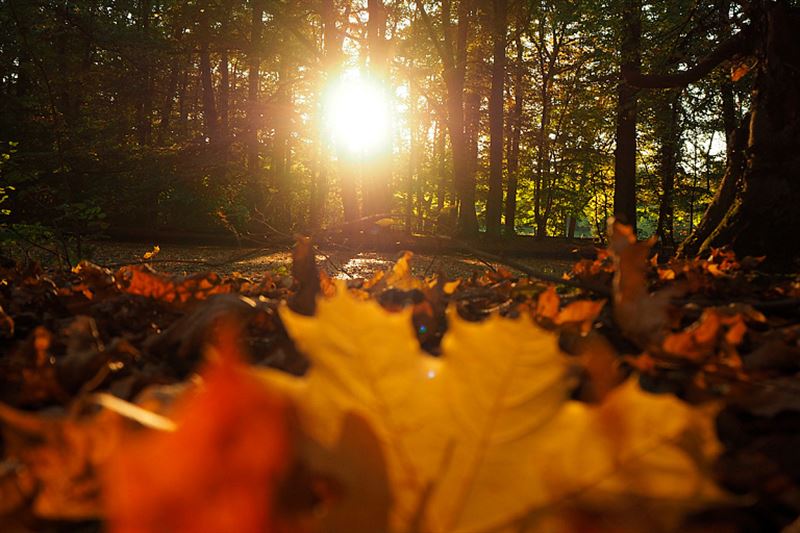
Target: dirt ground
x,y
338,263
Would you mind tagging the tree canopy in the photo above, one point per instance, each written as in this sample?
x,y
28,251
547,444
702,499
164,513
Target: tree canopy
x,y
540,118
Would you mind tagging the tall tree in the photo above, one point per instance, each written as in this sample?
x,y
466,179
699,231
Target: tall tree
x,y
331,58
625,154
755,220
452,49
144,109
210,117
281,146
669,136
515,127
255,186
494,201
377,195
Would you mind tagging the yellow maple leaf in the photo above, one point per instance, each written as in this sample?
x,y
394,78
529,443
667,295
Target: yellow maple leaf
x,y
486,438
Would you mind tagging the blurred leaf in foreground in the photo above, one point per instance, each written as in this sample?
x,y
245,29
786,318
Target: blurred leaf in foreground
x,y
486,437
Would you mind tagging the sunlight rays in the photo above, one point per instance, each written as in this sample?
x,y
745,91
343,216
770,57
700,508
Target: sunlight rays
x,y
357,114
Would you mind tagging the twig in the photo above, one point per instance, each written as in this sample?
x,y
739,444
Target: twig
x,y
332,263
430,265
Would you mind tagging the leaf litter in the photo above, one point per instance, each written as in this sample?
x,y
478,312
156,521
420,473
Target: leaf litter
x,y
134,400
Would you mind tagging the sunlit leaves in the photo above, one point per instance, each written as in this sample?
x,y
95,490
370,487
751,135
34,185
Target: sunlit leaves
x,y
486,435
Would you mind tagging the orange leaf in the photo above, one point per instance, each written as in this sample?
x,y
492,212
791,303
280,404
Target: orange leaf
x,y
218,472
548,303
641,316
144,281
699,340
583,311
739,71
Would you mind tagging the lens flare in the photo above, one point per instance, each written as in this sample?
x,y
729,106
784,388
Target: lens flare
x,y
357,114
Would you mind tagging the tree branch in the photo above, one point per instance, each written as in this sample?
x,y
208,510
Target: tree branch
x,y
741,43
426,20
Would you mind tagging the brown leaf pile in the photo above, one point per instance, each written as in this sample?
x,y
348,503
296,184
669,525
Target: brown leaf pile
x,y
90,359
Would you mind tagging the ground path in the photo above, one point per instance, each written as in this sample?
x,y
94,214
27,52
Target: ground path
x,y
338,263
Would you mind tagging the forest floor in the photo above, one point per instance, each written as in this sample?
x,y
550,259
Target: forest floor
x,y
654,396
337,263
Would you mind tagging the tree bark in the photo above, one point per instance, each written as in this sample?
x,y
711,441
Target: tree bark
x,y
169,100
725,195
224,93
331,58
472,124
183,107
255,185
541,182
440,156
516,135
669,147
281,149
625,153
494,201
765,207
144,108
453,53
378,175
412,160
210,118
464,175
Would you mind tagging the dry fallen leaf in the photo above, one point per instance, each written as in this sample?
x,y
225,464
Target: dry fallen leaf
x,y
143,281
399,277
152,253
642,316
219,471
548,303
486,436
58,458
6,324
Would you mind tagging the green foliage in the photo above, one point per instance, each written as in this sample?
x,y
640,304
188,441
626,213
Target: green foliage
x,y
5,188
109,103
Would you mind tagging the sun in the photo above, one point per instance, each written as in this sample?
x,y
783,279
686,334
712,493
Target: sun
x,y
357,114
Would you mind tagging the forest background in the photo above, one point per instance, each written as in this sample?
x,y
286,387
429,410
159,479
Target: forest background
x,y
209,115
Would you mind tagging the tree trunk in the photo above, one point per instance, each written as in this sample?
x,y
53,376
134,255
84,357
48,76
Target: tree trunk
x,y
572,222
255,186
224,93
516,135
440,157
376,186
765,206
669,140
281,149
183,107
412,159
331,53
472,125
209,106
542,181
494,201
625,154
463,177
144,108
453,53
169,100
